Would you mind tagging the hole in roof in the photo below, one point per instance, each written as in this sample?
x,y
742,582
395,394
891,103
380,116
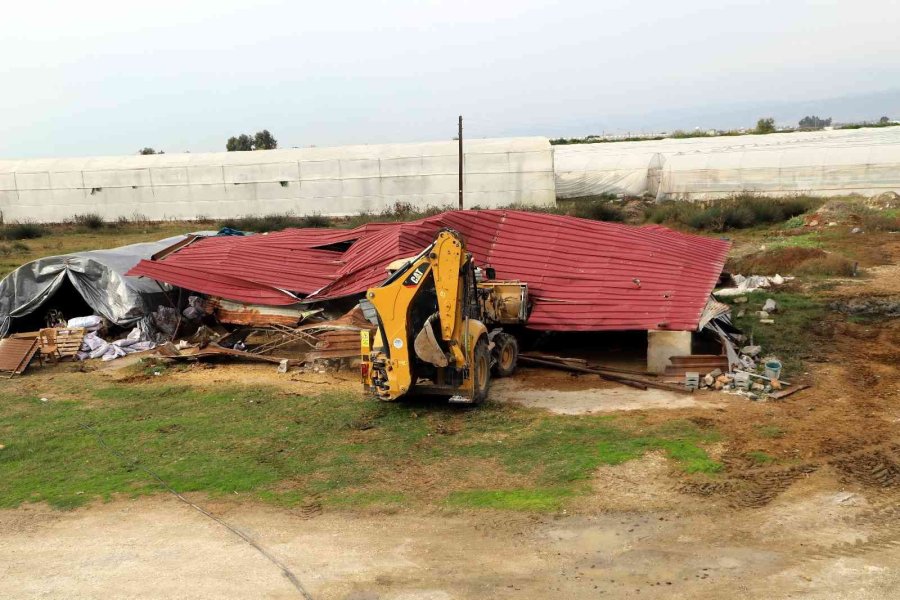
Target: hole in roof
x,y
342,246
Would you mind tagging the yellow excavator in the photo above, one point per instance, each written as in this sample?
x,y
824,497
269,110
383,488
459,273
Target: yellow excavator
x,y
433,317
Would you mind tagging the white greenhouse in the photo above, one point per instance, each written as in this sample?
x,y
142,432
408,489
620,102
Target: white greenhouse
x,y
327,181
860,161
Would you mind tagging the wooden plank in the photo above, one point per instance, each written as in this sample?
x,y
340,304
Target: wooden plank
x,y
786,393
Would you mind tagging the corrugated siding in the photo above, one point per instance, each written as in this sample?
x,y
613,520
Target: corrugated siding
x,y
583,275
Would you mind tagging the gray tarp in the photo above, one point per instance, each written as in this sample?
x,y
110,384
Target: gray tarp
x,y
98,275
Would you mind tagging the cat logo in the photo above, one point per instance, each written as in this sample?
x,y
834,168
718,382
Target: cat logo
x,y
416,276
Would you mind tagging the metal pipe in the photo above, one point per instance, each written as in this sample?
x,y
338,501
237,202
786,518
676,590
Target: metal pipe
x,y
460,137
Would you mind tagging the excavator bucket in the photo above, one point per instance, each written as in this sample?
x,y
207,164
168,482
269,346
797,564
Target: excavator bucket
x,y
427,348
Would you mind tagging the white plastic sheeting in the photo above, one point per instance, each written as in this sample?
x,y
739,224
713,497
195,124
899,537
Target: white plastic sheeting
x,y
863,161
328,181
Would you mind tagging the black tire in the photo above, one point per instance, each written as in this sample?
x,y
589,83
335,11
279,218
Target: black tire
x,y
506,355
481,370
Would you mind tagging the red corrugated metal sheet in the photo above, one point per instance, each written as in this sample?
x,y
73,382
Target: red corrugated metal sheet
x,y
582,274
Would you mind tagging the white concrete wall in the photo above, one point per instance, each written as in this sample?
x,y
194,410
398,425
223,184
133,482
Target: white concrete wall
x,y
327,181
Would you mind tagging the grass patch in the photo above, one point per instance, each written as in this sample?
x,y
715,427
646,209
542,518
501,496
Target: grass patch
x,y
771,432
811,239
292,450
542,500
792,337
760,457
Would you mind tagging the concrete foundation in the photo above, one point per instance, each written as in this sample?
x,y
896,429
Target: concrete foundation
x,y
663,344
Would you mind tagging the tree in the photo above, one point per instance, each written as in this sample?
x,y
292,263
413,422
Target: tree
x,y
241,143
148,150
814,122
765,125
263,140
883,121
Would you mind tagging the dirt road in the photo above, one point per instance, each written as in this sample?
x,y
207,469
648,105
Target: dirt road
x,y
643,540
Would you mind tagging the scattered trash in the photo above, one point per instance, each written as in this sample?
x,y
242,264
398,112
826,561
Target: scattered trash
x,y
751,283
283,366
770,306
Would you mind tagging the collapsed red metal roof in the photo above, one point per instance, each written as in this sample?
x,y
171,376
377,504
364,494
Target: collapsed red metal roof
x,y
582,275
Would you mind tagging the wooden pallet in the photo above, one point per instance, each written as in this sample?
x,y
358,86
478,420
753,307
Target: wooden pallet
x,y
61,342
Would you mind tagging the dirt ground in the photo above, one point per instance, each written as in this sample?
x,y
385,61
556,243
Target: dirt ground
x,y
820,520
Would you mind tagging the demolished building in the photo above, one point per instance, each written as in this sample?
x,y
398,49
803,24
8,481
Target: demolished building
x,y
582,275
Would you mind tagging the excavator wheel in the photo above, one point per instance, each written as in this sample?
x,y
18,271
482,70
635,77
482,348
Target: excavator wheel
x,y
506,354
481,370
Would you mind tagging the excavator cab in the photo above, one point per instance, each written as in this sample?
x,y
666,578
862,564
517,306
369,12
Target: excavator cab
x,y
431,336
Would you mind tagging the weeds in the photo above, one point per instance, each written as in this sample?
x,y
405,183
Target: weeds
x,y
22,231
770,431
740,212
14,248
600,211
794,260
831,265
91,221
275,222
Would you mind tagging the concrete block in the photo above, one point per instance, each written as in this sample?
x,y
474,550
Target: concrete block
x,y
663,344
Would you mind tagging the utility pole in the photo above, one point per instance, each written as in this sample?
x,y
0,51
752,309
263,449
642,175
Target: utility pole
x,y
460,164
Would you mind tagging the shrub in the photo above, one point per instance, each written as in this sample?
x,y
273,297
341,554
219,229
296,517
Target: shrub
x,y
831,265
873,220
89,220
315,221
276,222
600,211
22,231
739,212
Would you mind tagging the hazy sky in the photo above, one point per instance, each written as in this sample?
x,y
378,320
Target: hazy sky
x,y
97,77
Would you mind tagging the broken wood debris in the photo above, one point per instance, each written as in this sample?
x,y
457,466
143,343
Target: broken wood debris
x,y
16,355
604,373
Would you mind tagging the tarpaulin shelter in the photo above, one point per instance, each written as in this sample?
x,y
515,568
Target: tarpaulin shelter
x,y
583,275
98,277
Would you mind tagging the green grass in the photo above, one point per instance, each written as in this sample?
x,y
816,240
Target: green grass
x,y
531,500
340,450
792,337
760,457
804,240
770,431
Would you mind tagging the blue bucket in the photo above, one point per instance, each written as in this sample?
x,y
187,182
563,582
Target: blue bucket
x,y
773,369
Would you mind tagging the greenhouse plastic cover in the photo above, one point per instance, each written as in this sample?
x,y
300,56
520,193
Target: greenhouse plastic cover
x,y
582,275
328,181
863,161
97,275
